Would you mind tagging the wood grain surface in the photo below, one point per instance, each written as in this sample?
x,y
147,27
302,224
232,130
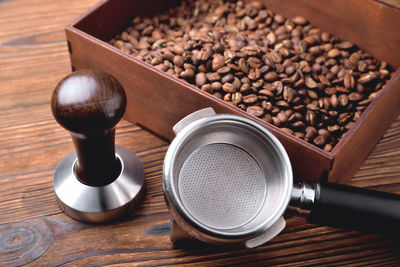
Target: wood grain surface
x,y
34,231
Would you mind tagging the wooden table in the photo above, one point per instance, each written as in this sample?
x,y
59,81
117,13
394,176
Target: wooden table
x,y
34,231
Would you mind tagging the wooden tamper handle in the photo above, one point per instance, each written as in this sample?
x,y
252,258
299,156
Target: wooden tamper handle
x,y
89,104
100,181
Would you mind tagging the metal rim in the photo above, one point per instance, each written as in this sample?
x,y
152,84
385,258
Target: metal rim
x,y
102,203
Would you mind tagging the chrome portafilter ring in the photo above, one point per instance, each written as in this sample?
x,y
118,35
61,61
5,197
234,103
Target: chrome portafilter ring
x,y
223,188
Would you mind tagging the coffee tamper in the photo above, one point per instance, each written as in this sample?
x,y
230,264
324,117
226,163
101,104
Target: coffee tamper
x,y
100,181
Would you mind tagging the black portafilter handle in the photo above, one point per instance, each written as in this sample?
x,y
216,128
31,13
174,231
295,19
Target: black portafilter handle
x,y
89,104
357,209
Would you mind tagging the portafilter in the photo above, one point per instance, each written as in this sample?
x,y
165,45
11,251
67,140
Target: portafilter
x,y
227,179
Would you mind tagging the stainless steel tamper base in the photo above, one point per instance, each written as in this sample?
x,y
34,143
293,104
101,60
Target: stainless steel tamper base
x,y
103,203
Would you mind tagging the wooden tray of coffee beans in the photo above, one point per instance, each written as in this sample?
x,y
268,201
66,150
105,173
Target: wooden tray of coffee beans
x,y
322,76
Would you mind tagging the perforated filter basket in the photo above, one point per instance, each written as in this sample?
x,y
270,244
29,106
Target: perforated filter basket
x,y
226,179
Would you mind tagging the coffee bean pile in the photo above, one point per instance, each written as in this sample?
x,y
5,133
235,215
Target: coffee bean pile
x,y
284,71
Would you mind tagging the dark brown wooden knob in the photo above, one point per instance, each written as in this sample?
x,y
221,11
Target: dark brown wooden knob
x,y
89,104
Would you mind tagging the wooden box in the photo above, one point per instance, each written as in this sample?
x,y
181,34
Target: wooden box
x,y
157,101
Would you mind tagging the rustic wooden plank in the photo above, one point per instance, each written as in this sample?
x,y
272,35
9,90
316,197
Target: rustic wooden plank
x,y
317,248
30,194
287,250
33,229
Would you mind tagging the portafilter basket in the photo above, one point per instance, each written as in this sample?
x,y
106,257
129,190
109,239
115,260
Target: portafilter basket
x,y
227,179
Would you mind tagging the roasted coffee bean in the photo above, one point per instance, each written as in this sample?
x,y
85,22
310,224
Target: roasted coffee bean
x,y
279,18
275,56
236,82
343,118
311,117
310,83
250,99
266,92
299,83
299,20
278,87
266,105
204,55
242,106
245,88
271,76
325,37
335,69
244,67
207,88
342,89
312,106
290,69
328,147
294,117
218,62
367,77
289,112
178,60
254,74
282,116
162,67
201,79
282,104
349,81
216,86
312,94
189,66
345,45
187,74
296,32
324,133
227,97
330,91
213,76
325,103
355,96
157,60
373,95
319,140
289,94
236,98
333,128
334,101
229,88
227,78
310,132
177,49
255,110
276,121
334,53
299,125
275,110
224,70
343,100
324,80
271,37
302,78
